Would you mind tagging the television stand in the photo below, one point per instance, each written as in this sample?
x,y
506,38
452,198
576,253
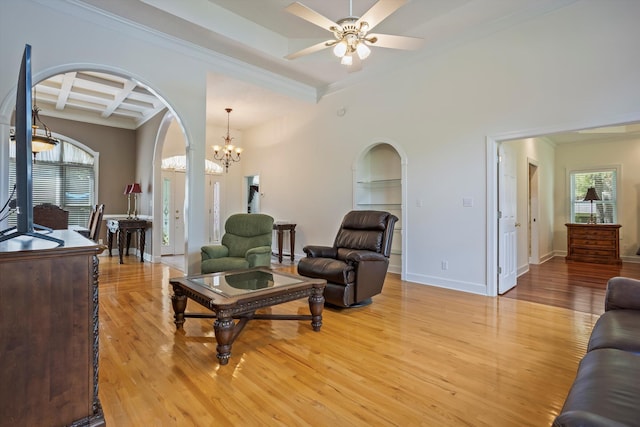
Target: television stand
x,y
4,236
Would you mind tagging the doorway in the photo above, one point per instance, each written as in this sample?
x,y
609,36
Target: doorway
x,y
534,206
252,187
538,185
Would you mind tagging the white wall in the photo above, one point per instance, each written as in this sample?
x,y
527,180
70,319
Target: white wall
x,y
571,68
576,67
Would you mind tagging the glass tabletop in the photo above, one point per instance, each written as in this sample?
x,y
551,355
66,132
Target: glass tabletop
x,y
230,285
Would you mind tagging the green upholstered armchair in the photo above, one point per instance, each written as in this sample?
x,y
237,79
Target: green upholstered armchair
x,y
245,244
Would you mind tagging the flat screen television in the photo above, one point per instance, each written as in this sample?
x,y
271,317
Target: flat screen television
x,y
24,160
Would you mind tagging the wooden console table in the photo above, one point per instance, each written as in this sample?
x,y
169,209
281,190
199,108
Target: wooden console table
x,y
281,228
599,243
49,332
120,227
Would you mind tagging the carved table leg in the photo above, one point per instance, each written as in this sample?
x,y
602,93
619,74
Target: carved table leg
x,y
292,240
280,241
109,240
128,241
142,242
121,234
179,302
223,327
316,304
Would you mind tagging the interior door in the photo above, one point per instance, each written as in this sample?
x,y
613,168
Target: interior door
x,y
507,236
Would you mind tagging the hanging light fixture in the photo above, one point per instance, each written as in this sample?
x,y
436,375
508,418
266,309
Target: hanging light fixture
x,y
229,153
40,141
350,38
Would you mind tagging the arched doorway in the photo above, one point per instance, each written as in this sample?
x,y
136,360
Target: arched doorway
x,y
56,87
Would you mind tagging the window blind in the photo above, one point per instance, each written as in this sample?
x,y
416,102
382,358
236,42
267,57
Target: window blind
x,y
59,180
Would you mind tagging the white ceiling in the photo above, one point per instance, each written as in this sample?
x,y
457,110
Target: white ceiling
x,y
260,33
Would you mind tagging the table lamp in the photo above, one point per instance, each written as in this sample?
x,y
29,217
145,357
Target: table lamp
x,y
135,190
591,196
127,191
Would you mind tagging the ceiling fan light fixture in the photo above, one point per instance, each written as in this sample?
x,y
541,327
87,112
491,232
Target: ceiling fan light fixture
x,y
340,49
363,50
351,33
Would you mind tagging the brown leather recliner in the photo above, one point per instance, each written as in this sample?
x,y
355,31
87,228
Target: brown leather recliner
x,y
356,265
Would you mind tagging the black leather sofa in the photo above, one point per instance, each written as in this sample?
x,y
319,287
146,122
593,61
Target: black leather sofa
x,y
606,391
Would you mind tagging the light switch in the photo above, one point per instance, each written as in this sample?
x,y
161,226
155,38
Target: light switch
x,y
467,202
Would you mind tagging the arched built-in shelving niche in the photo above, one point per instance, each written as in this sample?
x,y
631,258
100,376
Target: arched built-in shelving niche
x,y
378,185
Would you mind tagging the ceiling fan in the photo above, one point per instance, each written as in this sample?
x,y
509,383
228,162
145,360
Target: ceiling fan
x,y
351,35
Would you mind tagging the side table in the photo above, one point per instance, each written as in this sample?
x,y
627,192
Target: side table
x,y
281,228
120,227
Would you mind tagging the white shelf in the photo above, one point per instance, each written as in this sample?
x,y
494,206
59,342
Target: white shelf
x,y
378,186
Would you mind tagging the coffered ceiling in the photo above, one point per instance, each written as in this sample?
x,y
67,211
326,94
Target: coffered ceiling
x,y
97,98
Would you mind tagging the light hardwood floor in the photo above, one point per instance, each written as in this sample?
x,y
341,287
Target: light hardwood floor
x,y
417,356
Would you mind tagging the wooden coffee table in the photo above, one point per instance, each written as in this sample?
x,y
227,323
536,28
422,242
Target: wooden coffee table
x,y
238,294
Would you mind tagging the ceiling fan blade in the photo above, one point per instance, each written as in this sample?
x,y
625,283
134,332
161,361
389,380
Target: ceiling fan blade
x,y
311,49
311,15
395,42
379,12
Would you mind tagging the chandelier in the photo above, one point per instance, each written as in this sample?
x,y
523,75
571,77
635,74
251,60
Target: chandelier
x,y
40,141
229,153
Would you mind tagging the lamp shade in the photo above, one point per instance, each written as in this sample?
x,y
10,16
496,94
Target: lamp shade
x,y
135,188
127,189
591,195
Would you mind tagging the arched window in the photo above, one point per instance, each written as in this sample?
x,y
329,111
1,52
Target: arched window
x,y
64,176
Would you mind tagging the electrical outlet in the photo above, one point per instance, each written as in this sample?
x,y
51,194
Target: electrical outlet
x,y
445,265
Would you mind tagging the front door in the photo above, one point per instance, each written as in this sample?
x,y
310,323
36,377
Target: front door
x,y
173,212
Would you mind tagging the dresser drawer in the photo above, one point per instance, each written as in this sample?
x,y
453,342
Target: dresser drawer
x,y
593,243
592,252
588,233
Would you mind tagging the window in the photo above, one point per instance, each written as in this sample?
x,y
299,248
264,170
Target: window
x,y
605,182
64,176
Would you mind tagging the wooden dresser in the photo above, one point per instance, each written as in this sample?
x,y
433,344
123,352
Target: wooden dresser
x,y
49,332
599,243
